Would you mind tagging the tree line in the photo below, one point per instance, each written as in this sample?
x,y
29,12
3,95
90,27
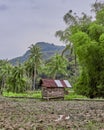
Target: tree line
x,y
84,37
22,77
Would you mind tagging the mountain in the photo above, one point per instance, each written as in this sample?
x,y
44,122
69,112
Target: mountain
x,y
47,49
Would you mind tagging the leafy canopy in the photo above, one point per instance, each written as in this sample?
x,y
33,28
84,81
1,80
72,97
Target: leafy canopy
x,y
87,37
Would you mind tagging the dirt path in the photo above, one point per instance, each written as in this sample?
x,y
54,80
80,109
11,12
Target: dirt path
x,y
32,114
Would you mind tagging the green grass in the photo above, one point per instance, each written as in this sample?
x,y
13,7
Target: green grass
x,y
29,94
73,95
38,95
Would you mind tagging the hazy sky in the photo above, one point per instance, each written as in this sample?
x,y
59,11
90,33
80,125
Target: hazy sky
x,y
25,22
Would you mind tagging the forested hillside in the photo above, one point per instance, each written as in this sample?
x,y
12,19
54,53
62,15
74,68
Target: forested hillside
x,y
47,49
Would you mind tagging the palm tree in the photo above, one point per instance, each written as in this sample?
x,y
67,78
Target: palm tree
x,y
73,23
35,63
29,68
17,81
65,37
5,70
57,66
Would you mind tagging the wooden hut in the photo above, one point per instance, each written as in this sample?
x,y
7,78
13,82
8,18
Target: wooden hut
x,y
53,88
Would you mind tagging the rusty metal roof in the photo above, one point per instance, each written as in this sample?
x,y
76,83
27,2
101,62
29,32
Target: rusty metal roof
x,y
55,83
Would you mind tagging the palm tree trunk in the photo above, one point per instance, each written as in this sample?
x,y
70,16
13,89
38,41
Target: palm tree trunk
x,y
34,85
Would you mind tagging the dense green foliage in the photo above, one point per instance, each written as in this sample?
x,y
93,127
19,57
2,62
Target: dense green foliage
x,y
12,78
17,81
57,67
87,38
5,68
23,77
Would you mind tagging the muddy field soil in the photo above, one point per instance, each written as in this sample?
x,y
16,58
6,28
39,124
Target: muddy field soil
x,y
33,114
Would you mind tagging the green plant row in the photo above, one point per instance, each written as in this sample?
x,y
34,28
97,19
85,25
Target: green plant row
x,y
37,94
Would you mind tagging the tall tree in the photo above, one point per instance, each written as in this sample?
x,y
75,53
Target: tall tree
x,y
34,63
74,23
17,81
57,66
5,70
86,35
